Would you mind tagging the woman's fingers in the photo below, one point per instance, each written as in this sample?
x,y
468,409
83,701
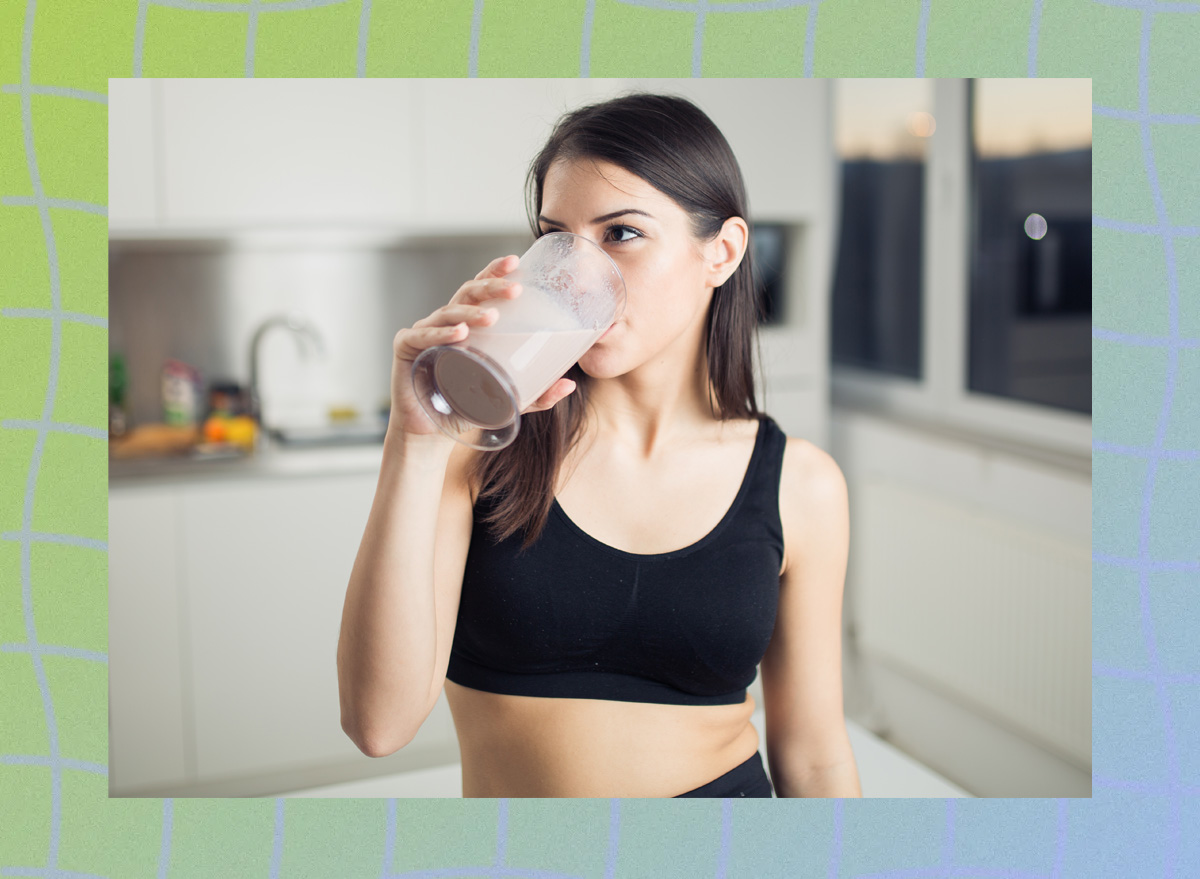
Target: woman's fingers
x,y
553,395
408,343
451,322
451,314
498,267
484,290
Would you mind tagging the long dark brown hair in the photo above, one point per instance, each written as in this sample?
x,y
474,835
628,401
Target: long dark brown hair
x,y
672,145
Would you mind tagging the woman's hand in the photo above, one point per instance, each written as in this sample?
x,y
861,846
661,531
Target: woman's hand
x,y
449,324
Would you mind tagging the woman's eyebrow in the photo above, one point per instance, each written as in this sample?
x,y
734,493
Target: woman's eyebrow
x,y
614,214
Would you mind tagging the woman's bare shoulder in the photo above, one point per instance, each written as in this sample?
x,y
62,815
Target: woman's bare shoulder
x,y
812,493
806,463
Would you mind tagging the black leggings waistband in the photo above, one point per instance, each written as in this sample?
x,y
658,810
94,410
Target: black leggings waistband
x,y
748,779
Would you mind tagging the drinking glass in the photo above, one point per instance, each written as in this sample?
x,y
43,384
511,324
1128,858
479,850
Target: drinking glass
x,y
475,390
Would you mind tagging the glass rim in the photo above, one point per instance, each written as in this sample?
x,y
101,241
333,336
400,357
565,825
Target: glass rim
x,y
615,268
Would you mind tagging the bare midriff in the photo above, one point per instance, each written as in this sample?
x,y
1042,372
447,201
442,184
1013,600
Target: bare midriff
x,y
533,746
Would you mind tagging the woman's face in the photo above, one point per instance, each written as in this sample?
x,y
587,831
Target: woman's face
x,y
667,276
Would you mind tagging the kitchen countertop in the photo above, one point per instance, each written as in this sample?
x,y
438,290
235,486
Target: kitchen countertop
x,y
272,461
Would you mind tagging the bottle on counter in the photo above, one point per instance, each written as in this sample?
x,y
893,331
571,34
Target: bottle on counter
x,y
181,394
118,386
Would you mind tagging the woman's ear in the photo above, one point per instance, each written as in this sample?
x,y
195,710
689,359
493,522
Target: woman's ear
x,y
724,253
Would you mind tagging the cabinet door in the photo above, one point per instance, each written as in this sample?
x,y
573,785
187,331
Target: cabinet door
x,y
132,158
267,562
145,692
477,139
779,129
286,152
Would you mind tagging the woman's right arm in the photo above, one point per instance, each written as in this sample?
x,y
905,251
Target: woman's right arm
x,y
402,598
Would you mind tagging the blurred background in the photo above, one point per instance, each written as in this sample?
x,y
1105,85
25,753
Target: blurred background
x,y
927,255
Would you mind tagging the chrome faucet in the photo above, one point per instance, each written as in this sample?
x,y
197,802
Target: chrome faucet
x,y
301,328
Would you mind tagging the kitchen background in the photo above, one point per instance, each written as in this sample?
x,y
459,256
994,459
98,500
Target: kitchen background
x,y
929,327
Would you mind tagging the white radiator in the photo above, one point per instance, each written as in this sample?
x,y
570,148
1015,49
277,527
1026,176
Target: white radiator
x,y
989,611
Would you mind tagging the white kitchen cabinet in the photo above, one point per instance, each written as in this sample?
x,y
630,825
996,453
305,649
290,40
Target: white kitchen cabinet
x,y
147,721
476,142
240,153
132,156
225,603
267,565
780,132
430,155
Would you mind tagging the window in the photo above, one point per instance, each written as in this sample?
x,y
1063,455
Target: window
x,y
962,284
1031,241
881,131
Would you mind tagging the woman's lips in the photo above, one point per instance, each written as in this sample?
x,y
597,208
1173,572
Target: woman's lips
x,y
606,332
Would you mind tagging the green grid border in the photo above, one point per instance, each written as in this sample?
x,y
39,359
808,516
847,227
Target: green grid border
x,y
56,57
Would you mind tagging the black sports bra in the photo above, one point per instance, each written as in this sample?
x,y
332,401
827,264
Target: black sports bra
x,y
574,617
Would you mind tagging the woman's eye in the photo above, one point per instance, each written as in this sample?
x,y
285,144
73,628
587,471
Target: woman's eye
x,y
617,230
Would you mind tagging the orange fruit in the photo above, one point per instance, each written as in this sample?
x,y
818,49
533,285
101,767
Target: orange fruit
x,y
216,429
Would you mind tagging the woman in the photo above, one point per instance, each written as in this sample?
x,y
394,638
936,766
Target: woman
x,y
595,597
